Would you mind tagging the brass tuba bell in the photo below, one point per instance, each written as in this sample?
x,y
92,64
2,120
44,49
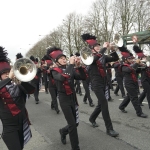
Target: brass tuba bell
x,y
24,69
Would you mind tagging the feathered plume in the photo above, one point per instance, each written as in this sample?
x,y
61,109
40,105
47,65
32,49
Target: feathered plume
x,y
4,61
3,55
32,58
90,40
87,36
123,49
19,55
77,54
137,49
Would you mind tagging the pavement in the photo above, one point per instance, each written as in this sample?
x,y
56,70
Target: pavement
x,y
134,131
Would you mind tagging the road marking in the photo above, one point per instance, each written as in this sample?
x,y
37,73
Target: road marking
x,y
142,102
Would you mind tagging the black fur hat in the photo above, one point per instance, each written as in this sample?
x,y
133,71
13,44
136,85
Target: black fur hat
x,y
4,61
71,55
138,51
77,54
36,60
32,58
19,55
48,60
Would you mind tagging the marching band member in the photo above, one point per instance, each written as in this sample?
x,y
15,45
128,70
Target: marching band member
x,y
77,83
119,77
130,80
51,84
97,73
109,85
86,84
13,113
64,76
44,73
36,80
145,76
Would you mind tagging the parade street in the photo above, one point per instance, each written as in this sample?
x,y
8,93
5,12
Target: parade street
x,y
134,131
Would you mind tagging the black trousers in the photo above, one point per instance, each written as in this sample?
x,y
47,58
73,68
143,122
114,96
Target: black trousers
x,y
13,140
142,97
68,108
109,77
87,92
119,86
145,93
132,95
45,82
53,93
102,106
36,92
77,86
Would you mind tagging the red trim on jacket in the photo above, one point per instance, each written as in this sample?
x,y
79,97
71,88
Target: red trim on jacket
x,y
65,83
148,71
133,74
8,101
101,68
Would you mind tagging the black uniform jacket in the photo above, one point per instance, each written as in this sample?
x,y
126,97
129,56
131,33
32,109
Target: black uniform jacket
x,y
117,68
129,75
145,73
37,77
51,79
69,74
12,104
96,79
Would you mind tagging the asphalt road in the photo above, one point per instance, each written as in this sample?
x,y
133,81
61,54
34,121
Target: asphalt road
x,y
134,131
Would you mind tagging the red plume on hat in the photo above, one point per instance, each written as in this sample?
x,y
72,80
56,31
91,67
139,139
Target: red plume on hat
x,y
90,40
4,61
55,53
138,51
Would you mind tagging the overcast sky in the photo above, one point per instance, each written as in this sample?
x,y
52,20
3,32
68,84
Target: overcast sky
x,y
22,21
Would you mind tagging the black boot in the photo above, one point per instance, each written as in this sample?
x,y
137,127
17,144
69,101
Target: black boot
x,y
91,104
143,115
123,110
110,99
116,94
123,96
94,124
52,106
112,133
84,102
57,111
63,137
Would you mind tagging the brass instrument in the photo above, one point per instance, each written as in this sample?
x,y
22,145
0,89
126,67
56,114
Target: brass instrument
x,y
24,69
118,42
86,56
